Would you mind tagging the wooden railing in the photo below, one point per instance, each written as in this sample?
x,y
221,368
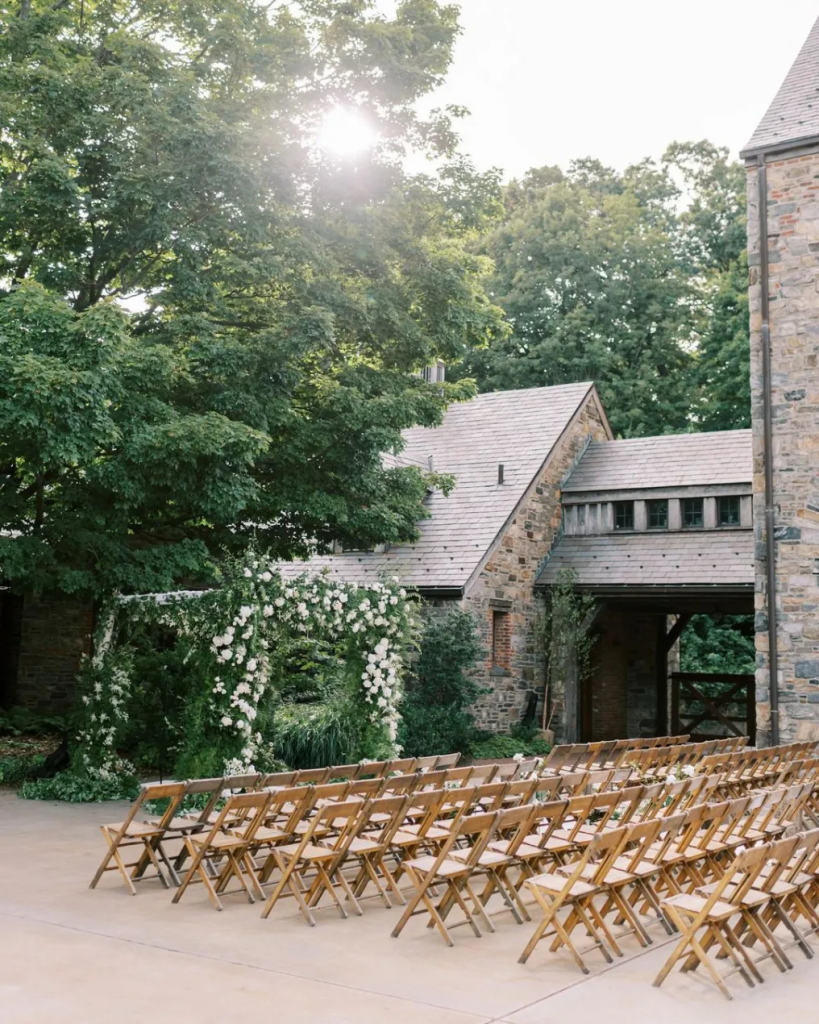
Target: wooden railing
x,y
709,705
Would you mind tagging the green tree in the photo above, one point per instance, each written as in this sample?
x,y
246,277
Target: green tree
x,y
209,327
437,707
713,222
635,280
721,643
596,287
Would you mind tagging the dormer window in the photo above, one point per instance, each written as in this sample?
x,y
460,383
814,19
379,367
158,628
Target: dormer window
x,y
657,514
692,513
728,510
624,515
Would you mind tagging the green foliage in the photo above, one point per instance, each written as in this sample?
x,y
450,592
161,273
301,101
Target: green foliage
x,y
14,770
722,643
565,639
78,786
259,672
18,721
208,327
486,745
316,735
634,280
437,709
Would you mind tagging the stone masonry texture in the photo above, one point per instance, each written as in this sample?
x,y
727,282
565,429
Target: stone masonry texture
x,y
793,253
506,578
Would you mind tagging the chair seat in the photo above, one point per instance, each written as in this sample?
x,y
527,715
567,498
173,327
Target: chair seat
x,y
446,869
361,845
265,834
691,905
489,858
557,883
614,876
753,898
136,829
310,852
221,841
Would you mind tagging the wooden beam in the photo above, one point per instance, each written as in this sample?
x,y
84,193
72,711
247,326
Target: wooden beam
x,y
673,635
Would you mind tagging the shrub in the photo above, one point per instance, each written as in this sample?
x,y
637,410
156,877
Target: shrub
x,y
437,707
313,735
495,746
82,786
14,770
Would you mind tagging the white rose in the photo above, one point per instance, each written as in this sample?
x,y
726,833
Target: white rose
x,y
226,654
266,576
248,573
251,665
226,721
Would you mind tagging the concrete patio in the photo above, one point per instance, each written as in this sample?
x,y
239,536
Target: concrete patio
x,y
81,957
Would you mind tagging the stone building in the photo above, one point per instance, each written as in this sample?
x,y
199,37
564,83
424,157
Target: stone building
x,y
656,529
782,159
483,544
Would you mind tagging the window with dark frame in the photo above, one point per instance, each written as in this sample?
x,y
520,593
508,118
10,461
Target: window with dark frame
x,y
691,513
501,640
624,515
728,513
658,514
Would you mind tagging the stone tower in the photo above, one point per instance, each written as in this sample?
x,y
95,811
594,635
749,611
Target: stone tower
x,y
782,160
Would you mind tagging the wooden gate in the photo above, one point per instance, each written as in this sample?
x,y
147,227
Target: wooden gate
x,y
709,706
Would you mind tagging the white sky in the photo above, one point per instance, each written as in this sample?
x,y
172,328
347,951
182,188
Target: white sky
x,y
547,81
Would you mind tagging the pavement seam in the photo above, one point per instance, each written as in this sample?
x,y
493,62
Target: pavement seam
x,y
479,1019
584,980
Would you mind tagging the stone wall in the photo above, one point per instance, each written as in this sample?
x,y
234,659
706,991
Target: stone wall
x,y
505,584
54,634
793,247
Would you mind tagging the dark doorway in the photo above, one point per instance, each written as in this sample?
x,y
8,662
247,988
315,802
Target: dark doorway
x,y
11,618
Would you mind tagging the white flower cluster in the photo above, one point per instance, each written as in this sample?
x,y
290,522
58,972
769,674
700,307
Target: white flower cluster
x,y
375,616
380,679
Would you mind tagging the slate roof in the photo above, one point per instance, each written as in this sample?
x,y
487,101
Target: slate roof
x,y
794,113
517,428
672,460
702,557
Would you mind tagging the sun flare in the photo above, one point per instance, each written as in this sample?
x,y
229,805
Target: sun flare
x,y
346,133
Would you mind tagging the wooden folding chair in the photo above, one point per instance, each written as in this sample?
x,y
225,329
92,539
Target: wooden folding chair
x,y
324,858
311,776
426,764
146,837
711,915
372,843
555,890
275,780
246,812
447,761
429,872
402,766
343,772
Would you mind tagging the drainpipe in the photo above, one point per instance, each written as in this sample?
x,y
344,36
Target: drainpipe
x,y
767,449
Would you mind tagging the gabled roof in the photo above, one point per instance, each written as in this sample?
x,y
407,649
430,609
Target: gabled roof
x,y
705,558
516,428
793,117
670,460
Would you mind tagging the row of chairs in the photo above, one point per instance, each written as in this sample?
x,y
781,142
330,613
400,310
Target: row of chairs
x,y
763,905
575,756
208,796
567,860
